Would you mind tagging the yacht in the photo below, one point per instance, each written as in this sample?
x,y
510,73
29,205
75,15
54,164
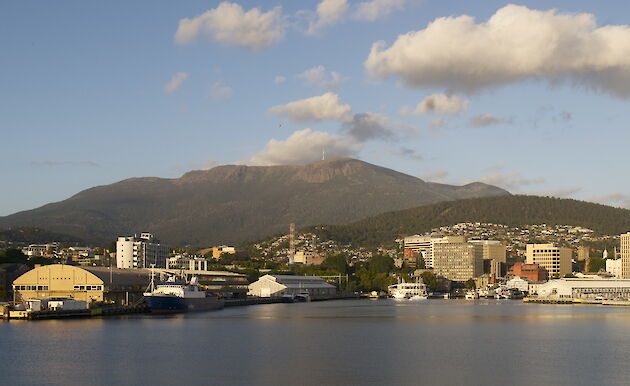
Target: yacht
x,y
413,291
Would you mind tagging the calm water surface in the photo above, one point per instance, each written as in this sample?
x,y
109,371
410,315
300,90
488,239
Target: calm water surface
x,y
348,342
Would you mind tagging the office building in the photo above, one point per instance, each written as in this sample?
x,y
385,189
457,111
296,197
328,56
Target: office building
x,y
140,251
457,260
531,272
624,251
556,260
423,246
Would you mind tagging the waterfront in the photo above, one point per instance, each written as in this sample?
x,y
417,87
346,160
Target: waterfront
x,y
337,342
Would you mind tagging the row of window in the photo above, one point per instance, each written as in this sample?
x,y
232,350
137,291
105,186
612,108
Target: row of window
x,y
88,287
30,288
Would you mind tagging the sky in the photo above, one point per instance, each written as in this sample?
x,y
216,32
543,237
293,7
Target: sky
x,y
533,96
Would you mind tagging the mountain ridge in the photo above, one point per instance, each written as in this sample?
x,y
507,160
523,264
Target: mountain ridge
x,y
234,203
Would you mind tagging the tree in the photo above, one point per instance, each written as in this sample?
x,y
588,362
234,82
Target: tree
x,y
430,280
12,255
470,284
380,264
336,262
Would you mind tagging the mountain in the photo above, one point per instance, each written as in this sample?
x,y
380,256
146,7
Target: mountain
x,y
233,203
513,210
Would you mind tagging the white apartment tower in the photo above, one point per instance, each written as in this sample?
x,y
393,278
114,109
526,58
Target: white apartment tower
x,y
625,255
140,251
556,260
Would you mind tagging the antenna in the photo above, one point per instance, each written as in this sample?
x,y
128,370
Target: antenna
x,y
291,243
323,153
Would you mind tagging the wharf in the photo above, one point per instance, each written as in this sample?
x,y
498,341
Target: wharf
x,y
577,301
65,314
254,301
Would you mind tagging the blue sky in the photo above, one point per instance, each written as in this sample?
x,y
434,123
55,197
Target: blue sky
x,y
535,101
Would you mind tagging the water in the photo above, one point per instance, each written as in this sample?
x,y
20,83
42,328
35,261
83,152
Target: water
x,y
350,342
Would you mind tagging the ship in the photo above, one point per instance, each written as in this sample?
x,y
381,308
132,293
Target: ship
x,y
174,297
412,291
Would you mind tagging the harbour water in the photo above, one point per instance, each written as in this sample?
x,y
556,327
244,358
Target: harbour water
x,y
345,342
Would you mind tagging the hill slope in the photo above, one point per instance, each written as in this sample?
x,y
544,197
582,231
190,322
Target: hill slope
x,y
507,210
232,203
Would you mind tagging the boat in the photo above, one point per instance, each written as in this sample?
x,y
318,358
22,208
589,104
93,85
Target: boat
x,y
402,290
174,297
471,295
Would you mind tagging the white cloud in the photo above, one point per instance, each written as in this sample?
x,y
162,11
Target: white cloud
x,y
374,9
510,181
324,107
484,120
515,44
279,79
438,103
320,77
176,81
221,91
329,12
229,24
617,199
436,176
305,146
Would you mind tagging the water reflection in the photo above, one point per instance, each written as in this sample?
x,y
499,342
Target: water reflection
x,y
341,342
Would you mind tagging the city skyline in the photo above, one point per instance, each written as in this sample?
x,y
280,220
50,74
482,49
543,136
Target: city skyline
x,y
93,94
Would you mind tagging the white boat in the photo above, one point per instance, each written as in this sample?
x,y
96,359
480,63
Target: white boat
x,y
471,295
402,290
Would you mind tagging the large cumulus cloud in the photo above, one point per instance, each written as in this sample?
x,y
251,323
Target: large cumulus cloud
x,y
515,44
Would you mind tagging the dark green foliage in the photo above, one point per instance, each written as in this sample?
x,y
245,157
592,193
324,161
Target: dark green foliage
x,y
430,280
337,263
12,255
508,210
596,264
36,236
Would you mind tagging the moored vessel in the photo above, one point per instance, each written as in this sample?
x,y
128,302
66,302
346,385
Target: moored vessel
x,y
173,297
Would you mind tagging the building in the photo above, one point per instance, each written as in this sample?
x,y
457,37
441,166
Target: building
x,y
41,250
517,283
584,253
624,251
530,272
93,284
218,251
120,286
457,261
192,263
140,251
308,258
424,245
585,289
556,260
278,285
613,267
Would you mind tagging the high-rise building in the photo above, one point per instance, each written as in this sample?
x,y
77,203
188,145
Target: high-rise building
x,y
140,251
424,245
556,260
457,260
493,251
624,251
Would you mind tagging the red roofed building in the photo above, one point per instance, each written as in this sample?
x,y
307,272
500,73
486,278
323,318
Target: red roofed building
x,y
531,272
